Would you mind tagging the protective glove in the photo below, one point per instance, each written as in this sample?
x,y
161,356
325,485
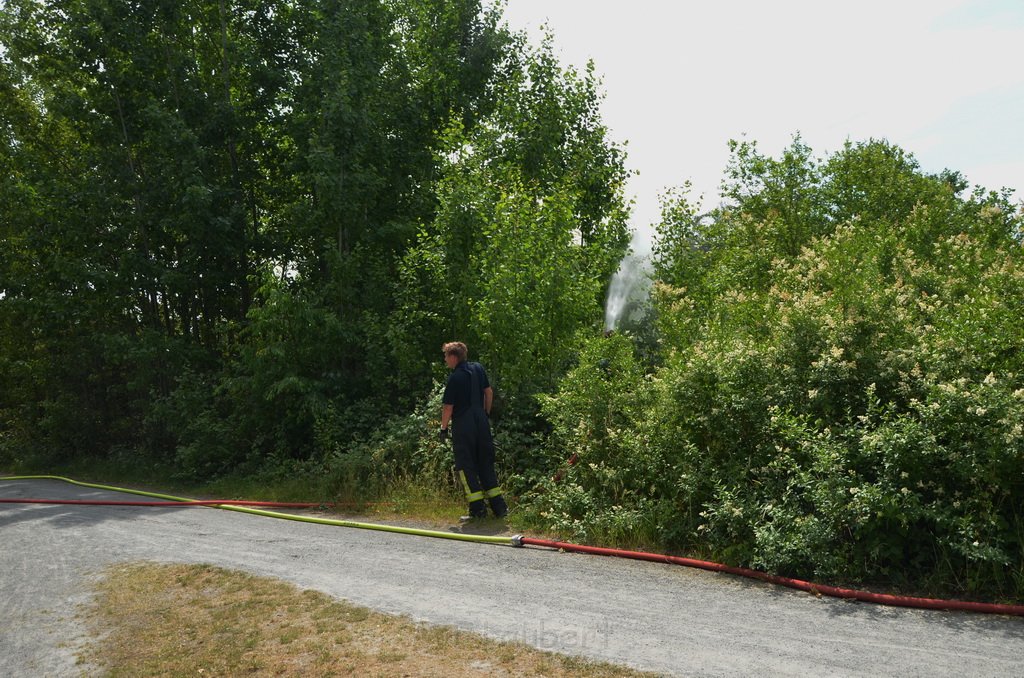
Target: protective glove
x,y
442,435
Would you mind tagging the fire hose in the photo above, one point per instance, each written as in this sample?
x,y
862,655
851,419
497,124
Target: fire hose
x,y
167,500
520,541
809,587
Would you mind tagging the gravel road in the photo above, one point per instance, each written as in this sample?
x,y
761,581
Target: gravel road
x,y
665,618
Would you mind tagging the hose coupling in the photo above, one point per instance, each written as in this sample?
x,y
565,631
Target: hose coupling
x,y
517,540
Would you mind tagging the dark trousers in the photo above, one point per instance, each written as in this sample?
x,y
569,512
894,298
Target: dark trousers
x,y
474,463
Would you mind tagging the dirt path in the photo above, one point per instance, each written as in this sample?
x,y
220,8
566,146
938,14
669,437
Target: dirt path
x,y
650,616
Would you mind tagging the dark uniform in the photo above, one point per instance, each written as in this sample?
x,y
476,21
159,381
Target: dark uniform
x,y
471,437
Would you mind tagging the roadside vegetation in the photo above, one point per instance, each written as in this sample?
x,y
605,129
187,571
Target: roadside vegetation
x,y
195,620
838,391
230,270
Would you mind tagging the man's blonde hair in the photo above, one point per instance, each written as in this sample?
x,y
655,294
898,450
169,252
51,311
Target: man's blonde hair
x,y
455,348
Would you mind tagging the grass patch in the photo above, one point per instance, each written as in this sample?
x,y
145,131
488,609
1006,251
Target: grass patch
x,y
408,498
198,620
402,499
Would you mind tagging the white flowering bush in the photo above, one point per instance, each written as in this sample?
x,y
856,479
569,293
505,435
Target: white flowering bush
x,y
841,387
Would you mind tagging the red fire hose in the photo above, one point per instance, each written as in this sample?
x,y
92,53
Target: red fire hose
x,y
190,502
818,589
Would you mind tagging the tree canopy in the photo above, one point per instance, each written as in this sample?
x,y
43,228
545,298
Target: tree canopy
x,y
232,226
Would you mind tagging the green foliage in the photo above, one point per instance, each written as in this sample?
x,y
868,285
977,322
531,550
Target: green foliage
x,y
841,393
601,439
530,226
236,233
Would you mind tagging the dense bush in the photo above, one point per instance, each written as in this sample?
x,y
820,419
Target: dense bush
x,y
842,394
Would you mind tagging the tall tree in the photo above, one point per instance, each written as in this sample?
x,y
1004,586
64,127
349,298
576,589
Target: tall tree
x,y
531,225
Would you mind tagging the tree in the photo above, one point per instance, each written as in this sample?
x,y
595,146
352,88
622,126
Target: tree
x,y
531,224
228,222
137,135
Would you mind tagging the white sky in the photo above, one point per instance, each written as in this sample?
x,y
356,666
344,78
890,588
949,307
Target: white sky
x,y
943,79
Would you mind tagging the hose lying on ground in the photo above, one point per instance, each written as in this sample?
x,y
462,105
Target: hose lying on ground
x,y
518,540
172,501
817,589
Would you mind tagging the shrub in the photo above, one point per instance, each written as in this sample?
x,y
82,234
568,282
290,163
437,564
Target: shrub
x,y
840,388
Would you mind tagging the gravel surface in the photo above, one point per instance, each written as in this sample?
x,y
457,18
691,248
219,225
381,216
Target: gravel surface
x,y
665,618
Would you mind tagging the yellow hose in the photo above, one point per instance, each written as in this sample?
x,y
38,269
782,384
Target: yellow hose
x,y
482,539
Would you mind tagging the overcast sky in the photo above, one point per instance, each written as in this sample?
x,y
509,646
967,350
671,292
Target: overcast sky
x,y
943,79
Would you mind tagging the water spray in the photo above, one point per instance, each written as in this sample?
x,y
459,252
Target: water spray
x,y
631,283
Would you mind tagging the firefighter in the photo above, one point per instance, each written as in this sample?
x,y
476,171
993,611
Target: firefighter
x,y
467,403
